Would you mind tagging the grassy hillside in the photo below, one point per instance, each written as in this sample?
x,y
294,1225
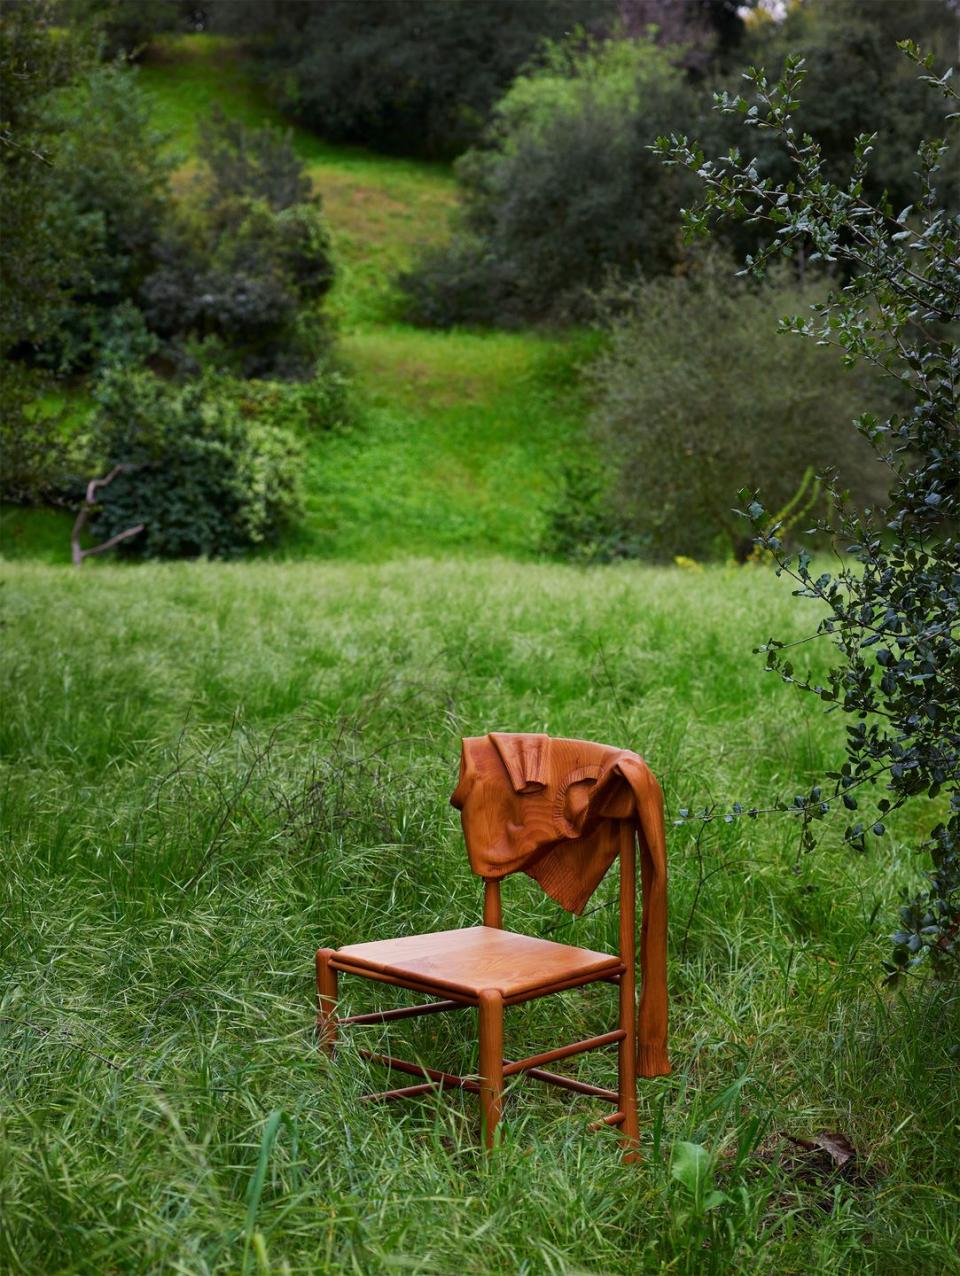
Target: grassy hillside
x,y
459,447
461,436
211,770
378,208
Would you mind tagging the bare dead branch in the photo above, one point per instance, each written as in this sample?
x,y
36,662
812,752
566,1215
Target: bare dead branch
x,y
86,509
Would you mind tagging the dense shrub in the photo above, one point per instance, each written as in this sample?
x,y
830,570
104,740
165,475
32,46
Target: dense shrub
x,y
211,476
697,395
244,264
241,162
582,525
125,27
37,250
856,83
418,77
562,192
300,408
111,198
233,274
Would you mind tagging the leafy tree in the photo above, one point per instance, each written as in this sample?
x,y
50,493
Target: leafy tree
x,y
707,32
417,77
35,249
892,610
126,27
250,164
855,83
112,197
244,265
563,190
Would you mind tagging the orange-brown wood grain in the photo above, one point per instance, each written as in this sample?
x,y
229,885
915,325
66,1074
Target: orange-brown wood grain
x,y
477,957
491,1064
595,803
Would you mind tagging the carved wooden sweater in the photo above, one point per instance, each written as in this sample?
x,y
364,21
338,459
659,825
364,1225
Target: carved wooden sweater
x,y
551,808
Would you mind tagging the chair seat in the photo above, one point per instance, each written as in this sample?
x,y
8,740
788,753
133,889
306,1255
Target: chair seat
x,y
476,958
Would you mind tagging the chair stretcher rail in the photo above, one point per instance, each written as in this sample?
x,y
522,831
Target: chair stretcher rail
x,y
445,1079
403,1012
615,1118
570,1083
405,1092
564,1052
442,989
449,1081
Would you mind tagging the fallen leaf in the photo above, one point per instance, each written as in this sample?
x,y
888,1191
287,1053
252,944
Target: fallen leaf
x,y
837,1146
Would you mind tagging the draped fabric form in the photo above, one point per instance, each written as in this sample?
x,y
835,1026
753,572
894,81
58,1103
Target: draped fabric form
x,y
553,809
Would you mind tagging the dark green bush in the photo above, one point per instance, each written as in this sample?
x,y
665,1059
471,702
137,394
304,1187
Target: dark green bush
x,y
111,199
240,265
125,27
33,449
857,83
417,77
301,408
36,252
245,263
563,192
250,164
697,395
582,526
212,474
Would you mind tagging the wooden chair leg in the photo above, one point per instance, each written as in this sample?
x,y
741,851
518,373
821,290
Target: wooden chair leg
x,y
326,1001
491,1065
627,1071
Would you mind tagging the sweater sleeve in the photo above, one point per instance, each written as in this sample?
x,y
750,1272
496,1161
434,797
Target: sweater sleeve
x,y
652,1058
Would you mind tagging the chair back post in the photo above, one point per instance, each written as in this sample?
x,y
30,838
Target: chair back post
x,y
492,911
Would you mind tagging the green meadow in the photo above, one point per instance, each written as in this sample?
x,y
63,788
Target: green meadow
x,y
212,769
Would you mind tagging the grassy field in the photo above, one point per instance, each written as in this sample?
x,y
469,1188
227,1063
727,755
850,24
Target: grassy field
x,y
211,770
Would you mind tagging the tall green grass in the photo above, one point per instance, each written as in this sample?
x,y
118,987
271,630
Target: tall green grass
x,y
211,770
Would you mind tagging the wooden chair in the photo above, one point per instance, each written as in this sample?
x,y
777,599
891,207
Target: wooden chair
x,y
491,968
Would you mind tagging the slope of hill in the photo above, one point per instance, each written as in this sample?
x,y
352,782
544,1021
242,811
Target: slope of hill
x,y
461,436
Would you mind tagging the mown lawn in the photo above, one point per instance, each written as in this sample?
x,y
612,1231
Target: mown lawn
x,y
211,770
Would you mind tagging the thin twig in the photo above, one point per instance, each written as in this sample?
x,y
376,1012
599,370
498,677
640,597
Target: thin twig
x,y
701,877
